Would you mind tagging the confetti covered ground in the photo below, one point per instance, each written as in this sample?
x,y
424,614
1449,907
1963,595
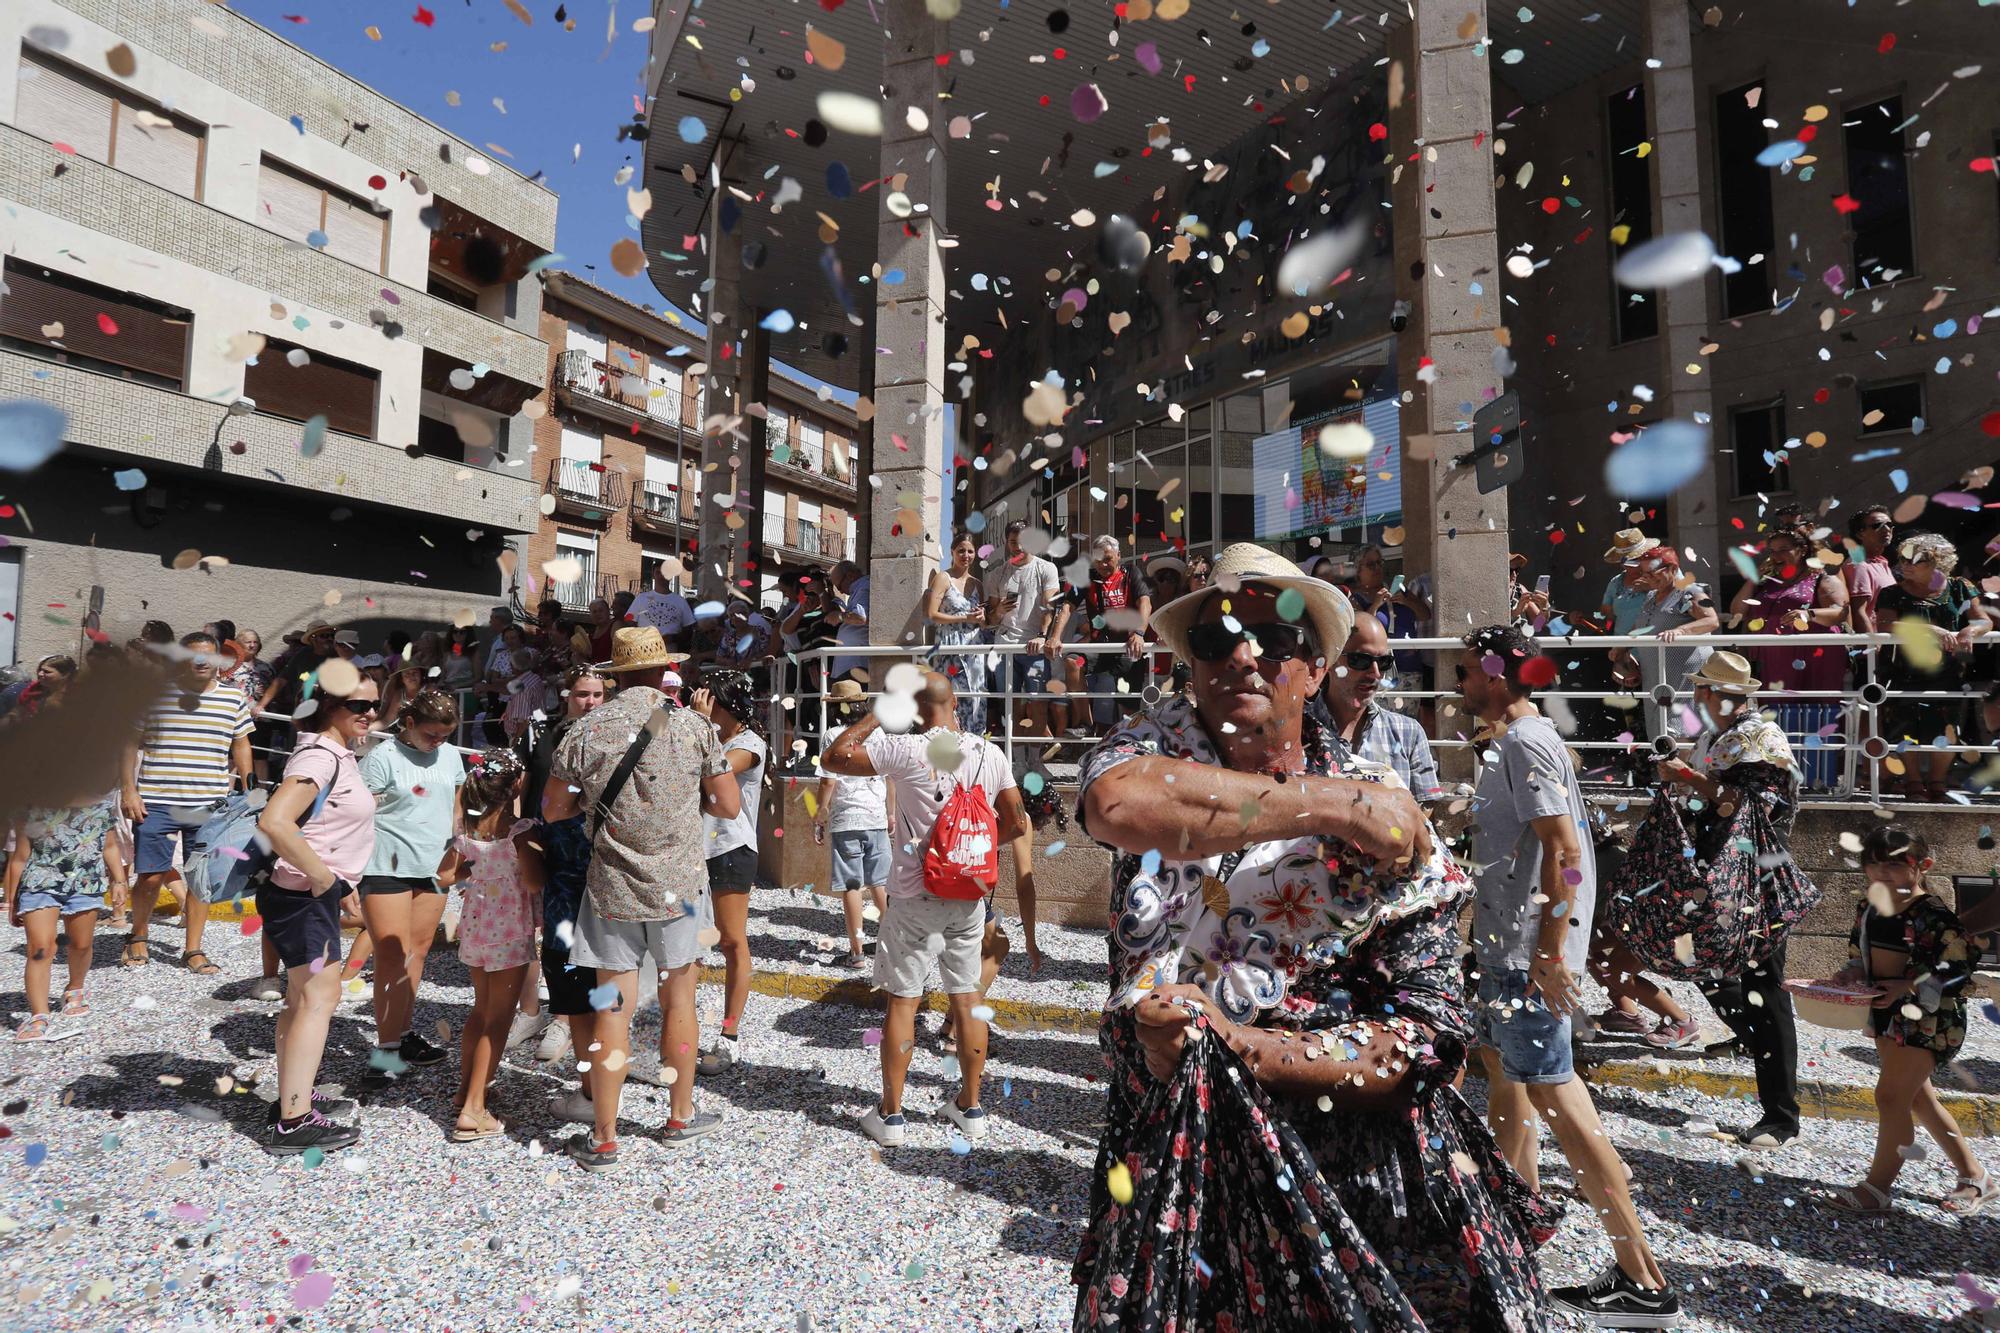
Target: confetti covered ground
x,y
135,1194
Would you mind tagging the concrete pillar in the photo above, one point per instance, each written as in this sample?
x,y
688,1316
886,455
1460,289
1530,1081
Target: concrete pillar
x,y
1446,246
719,535
1685,310
862,460
754,383
911,452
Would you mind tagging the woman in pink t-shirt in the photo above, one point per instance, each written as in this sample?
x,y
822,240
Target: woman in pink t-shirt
x,y
320,822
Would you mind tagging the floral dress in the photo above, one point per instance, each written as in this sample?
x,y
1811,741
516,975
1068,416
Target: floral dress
x,y
967,670
1249,1209
1931,1017
497,929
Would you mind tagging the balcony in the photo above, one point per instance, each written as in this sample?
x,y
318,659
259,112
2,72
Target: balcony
x,y
816,544
619,394
656,507
792,459
589,586
585,490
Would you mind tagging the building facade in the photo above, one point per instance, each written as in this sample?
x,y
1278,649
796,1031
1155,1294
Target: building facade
x,y
618,456
291,325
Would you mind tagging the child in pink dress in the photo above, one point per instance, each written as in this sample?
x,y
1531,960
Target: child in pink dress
x,y
496,933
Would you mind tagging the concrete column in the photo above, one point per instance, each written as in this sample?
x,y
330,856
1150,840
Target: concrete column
x,y
754,382
911,452
1446,245
1685,310
862,459
720,537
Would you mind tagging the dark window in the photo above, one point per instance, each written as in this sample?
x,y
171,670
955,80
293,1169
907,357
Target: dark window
x,y
1743,199
439,439
341,391
1887,408
452,292
55,316
1757,435
1638,315
1239,514
1878,179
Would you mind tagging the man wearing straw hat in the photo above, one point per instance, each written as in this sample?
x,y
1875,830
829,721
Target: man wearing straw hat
x,y
646,773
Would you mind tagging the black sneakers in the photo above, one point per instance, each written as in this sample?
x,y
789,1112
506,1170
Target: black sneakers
x,y
1612,1300
315,1131
333,1108
415,1050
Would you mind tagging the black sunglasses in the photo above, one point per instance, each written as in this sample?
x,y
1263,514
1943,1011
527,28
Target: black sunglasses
x,y
361,705
1380,661
1215,642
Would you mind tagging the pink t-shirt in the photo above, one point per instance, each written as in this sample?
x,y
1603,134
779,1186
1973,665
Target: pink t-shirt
x,y
342,834
1865,578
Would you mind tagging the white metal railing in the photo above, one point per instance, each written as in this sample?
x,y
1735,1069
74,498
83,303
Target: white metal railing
x,y
580,477
1842,753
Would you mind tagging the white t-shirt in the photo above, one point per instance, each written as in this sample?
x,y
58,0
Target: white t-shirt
x,y
857,804
1033,583
667,612
726,835
921,791
853,635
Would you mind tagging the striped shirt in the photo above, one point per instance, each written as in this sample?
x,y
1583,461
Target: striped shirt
x,y
185,748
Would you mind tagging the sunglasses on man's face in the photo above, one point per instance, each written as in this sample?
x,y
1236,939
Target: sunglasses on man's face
x,y
1216,642
1363,661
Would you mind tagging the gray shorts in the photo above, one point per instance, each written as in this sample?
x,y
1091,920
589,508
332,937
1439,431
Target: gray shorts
x,y
619,946
917,932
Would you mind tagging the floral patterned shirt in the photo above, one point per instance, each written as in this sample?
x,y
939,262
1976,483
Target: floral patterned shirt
x,y
67,847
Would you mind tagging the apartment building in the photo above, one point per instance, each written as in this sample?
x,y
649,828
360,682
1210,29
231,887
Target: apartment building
x,y
618,453
292,326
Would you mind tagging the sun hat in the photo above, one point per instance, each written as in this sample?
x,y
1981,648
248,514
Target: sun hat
x,y
1629,544
845,691
640,648
1726,673
1153,564
1326,608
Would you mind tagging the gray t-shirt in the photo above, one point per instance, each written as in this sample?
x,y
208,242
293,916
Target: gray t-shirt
x,y
1033,584
1526,775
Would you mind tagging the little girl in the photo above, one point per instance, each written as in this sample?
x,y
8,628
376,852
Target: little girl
x,y
62,862
496,933
1910,945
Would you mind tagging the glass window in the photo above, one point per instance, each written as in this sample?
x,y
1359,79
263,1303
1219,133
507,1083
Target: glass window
x,y
297,206
1743,198
1893,407
108,124
1631,183
309,384
1757,435
58,317
1878,178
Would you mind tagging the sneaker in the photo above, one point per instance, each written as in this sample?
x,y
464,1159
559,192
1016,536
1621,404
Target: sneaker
x,y
417,1051
971,1120
721,1058
1762,1135
1618,1023
886,1130
592,1156
555,1040
851,962
574,1107
268,988
1612,1300
526,1027
679,1133
333,1108
1672,1036
315,1131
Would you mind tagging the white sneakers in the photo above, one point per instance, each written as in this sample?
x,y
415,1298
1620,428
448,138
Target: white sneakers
x,y
971,1121
886,1130
526,1027
574,1107
555,1040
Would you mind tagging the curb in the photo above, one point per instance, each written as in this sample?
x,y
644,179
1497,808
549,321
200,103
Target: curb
x,y
1978,1117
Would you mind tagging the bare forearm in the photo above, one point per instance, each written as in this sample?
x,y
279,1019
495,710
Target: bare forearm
x,y
1178,808
849,754
1379,1075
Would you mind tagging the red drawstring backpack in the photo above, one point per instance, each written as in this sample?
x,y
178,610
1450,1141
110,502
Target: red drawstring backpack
x,y
962,861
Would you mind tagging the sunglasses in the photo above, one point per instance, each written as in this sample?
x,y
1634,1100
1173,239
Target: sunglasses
x,y
1216,642
361,705
1363,661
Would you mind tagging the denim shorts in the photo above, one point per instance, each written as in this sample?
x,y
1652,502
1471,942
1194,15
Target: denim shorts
x,y
1533,1044
733,871
860,858
165,830
1031,673
68,902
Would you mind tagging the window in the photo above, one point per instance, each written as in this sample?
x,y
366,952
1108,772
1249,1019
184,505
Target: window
x,y
578,592
811,453
1878,179
63,104
296,205
777,431
446,290
58,317
581,469
439,439
774,519
1631,180
290,382
1891,408
1743,198
1757,435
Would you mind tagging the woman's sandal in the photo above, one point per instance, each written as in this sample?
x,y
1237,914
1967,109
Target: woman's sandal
x,y
489,1128
1862,1200
35,1029
130,958
205,968
74,1003
1970,1196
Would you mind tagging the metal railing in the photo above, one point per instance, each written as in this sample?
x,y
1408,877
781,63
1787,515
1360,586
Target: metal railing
x,y
1839,736
579,372
657,503
585,486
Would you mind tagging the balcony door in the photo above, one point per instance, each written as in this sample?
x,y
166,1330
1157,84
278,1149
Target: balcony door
x,y
581,471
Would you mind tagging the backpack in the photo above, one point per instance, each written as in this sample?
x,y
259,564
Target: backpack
x,y
962,861
226,857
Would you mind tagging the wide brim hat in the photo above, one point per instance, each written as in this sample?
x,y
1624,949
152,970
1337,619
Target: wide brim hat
x,y
1153,564
1326,607
1629,544
1728,673
845,690
640,648
316,626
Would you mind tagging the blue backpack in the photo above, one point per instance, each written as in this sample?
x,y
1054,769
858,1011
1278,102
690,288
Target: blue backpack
x,y
227,857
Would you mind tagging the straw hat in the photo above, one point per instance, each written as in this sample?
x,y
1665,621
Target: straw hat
x,y
640,648
1726,673
1629,544
1326,610
845,691
316,626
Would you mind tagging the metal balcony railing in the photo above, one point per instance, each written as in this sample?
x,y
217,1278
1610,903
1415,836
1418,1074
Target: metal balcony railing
x,y
584,487
579,373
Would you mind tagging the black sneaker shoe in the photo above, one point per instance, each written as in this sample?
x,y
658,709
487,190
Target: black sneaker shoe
x,y
1612,1300
315,1131
1766,1135
417,1051
333,1108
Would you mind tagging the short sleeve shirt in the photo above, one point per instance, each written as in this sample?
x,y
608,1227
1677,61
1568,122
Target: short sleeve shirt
x,y
342,834
415,806
1100,598
1033,583
66,848
921,788
667,612
857,804
1526,775
1626,602
726,835
186,743
649,858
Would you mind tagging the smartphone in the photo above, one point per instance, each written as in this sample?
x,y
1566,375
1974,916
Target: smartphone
x,y
1542,586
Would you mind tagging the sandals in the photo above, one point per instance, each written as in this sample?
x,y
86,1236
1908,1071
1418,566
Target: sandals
x,y
1970,1196
1862,1200
130,958
488,1128
74,1003
35,1029
204,968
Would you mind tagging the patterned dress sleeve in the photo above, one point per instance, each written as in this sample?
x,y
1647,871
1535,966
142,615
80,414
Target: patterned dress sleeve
x,y
1940,952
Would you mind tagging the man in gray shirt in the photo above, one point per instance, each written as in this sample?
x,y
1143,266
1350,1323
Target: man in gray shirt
x,y
1537,885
